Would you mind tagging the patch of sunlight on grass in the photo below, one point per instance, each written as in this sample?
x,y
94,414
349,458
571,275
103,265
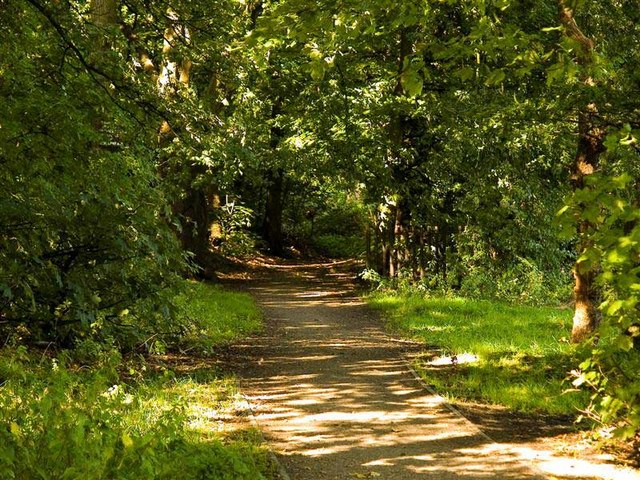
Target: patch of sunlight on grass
x,y
522,350
213,316
124,418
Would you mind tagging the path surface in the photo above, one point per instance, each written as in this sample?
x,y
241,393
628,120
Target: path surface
x,y
336,400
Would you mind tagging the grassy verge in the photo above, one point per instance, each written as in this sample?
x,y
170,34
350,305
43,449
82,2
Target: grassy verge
x,y
514,356
215,316
163,417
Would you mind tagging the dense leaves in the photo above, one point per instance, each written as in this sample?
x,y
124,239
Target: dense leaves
x,y
85,237
439,137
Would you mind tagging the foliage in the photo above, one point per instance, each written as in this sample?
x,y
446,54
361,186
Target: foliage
x,y
61,421
440,137
521,355
235,239
521,282
332,223
339,246
610,372
211,316
85,229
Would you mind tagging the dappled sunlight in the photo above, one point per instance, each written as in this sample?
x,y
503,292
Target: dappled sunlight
x,y
458,359
314,294
306,325
334,395
572,468
336,399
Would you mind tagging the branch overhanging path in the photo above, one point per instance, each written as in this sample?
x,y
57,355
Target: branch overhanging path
x,y
336,400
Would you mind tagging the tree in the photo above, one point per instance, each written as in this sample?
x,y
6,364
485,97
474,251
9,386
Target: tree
x,y
84,245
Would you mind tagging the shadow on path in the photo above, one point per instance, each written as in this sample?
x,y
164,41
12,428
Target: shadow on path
x,y
336,400
334,396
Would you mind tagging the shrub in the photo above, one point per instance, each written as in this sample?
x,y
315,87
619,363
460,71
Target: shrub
x,y
521,282
58,421
339,246
611,248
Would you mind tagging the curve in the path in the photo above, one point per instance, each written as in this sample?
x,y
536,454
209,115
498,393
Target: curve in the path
x,y
336,400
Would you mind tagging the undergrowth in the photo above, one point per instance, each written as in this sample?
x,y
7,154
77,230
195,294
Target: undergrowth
x,y
213,316
89,414
516,356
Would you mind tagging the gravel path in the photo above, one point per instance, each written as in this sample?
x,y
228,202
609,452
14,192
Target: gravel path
x,y
335,397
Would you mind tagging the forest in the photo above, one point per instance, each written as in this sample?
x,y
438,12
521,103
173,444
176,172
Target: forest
x,y
481,150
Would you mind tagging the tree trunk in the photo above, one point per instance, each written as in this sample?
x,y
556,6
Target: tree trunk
x,y
585,313
272,226
194,210
422,260
369,248
378,247
273,213
104,13
590,146
397,130
194,207
391,243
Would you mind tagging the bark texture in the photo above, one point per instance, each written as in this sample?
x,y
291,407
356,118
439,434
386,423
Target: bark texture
x,y
590,146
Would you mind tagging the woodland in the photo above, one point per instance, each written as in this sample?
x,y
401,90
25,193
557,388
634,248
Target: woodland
x,y
485,149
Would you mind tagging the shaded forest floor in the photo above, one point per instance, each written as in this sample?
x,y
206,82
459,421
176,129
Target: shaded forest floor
x,y
332,391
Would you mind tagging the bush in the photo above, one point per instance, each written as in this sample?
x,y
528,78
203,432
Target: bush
x,y
85,218
611,248
521,282
235,239
58,421
339,246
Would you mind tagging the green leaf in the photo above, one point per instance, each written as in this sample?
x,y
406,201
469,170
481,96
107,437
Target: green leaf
x,y
495,77
6,291
411,81
466,73
624,342
126,440
614,307
317,68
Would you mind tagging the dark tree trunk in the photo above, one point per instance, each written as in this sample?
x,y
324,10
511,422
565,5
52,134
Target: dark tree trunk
x,y
397,130
369,249
274,205
195,235
422,260
390,257
273,213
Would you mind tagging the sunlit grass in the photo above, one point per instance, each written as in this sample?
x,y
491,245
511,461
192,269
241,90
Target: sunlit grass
x,y
215,316
523,352
163,417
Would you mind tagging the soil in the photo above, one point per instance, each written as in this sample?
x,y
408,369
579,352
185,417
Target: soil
x,y
335,398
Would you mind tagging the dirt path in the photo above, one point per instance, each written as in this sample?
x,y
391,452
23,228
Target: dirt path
x,y
336,400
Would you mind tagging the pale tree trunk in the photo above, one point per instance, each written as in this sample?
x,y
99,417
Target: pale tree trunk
x,y
104,16
590,146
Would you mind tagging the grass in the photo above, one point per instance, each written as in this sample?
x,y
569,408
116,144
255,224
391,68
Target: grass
x,y
215,316
523,355
162,417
